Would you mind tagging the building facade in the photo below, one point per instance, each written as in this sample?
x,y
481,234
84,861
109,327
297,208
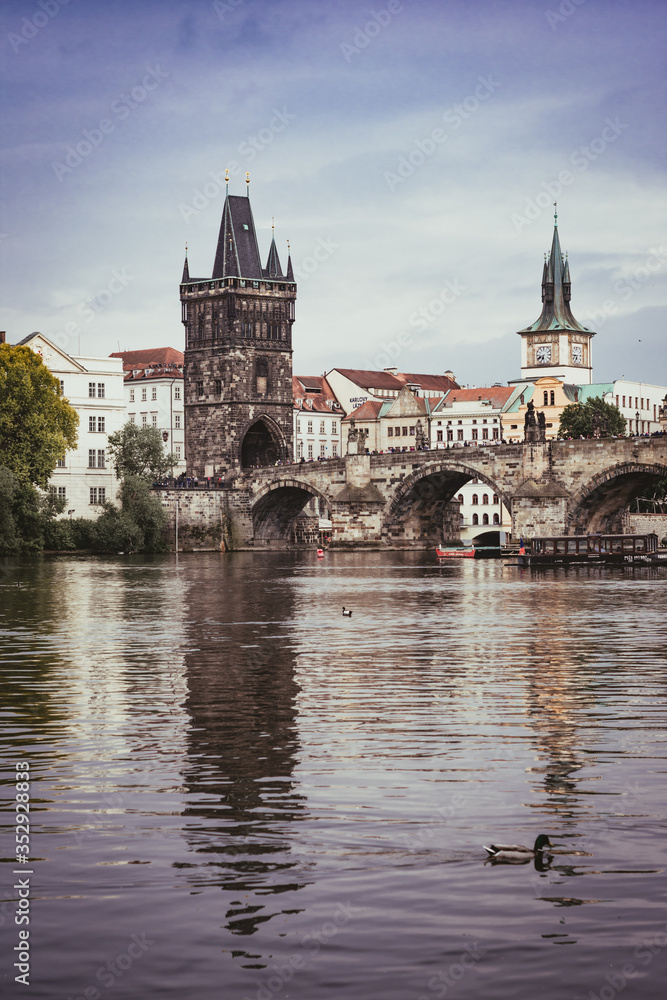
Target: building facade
x,y
154,396
354,386
238,353
318,420
85,478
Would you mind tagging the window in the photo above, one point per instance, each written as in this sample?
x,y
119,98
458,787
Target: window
x,y
132,419
144,420
459,435
334,449
450,435
131,395
475,499
92,458
474,433
546,398
323,450
154,419
199,387
485,519
439,435
485,433
300,450
474,421
397,431
143,392
62,387
460,498
60,464
309,427
153,392
101,424
92,423
91,389
100,458
334,427
624,401
96,424
323,428
62,493
218,387
405,432
552,398
177,421
496,519
485,498
310,451
495,498
412,431
262,376
97,495
390,431
495,433
177,392
101,392
178,452
475,519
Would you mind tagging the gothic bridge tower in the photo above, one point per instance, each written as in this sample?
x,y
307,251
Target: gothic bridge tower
x,y
238,352
556,343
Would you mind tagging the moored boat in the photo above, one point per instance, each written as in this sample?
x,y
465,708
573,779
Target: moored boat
x,y
455,553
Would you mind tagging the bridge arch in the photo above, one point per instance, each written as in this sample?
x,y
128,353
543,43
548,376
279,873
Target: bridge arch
x,y
277,505
598,505
418,508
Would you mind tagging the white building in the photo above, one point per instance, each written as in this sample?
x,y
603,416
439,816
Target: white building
x,y
154,395
94,387
353,387
317,419
639,402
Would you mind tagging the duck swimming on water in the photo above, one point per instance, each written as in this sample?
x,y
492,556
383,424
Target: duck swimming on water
x,y
346,613
517,852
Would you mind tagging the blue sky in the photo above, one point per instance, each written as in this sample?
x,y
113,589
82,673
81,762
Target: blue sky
x,y
410,150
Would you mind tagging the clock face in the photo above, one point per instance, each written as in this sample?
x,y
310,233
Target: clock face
x,y
543,354
577,354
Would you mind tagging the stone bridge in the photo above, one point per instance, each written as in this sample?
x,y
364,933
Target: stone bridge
x,y
403,500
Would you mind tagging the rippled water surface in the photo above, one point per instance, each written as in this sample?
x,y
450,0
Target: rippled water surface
x,y
238,793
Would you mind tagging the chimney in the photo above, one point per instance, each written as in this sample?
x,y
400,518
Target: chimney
x,y
391,371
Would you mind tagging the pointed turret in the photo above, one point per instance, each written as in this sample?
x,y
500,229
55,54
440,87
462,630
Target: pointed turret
x,y
273,269
186,269
556,289
290,273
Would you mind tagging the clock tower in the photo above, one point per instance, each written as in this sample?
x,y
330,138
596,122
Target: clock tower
x,y
556,344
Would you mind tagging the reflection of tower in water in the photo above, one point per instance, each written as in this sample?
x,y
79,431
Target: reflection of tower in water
x,y
242,743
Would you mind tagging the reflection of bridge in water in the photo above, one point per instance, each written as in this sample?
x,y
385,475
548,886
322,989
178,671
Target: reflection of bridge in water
x,y
404,500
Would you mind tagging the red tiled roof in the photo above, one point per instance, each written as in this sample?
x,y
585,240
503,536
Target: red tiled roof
x,y
428,383
314,401
150,355
495,394
367,411
143,373
385,380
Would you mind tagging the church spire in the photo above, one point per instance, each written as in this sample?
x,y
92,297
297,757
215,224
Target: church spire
x,y
290,273
186,269
273,268
556,289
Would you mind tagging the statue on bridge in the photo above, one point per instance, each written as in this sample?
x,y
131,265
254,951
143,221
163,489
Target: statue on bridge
x,y
599,425
354,436
420,436
534,428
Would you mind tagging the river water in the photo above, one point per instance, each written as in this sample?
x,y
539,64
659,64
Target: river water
x,y
236,793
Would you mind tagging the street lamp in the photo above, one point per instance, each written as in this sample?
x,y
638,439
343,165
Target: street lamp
x,y
637,420
70,512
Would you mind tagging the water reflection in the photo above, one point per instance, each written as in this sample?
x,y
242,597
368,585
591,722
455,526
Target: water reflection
x,y
242,746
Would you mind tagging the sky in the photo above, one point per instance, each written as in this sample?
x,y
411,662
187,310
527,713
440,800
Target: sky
x,y
409,150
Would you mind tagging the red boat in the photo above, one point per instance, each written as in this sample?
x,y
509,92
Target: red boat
x,y
454,553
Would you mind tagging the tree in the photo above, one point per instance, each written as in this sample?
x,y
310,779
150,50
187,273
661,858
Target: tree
x,y
37,426
28,518
138,525
138,451
581,419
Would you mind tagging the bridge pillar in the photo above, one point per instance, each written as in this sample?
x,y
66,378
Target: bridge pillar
x,y
539,509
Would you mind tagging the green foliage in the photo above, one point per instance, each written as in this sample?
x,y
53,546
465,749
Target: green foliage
x,y
579,419
139,451
37,426
21,515
137,526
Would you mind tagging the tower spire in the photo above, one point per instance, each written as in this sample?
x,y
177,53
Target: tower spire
x,y
186,269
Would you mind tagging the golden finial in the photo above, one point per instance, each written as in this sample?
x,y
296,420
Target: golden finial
x,y
247,180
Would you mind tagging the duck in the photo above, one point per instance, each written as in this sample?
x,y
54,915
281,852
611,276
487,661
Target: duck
x,y
517,852
347,613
